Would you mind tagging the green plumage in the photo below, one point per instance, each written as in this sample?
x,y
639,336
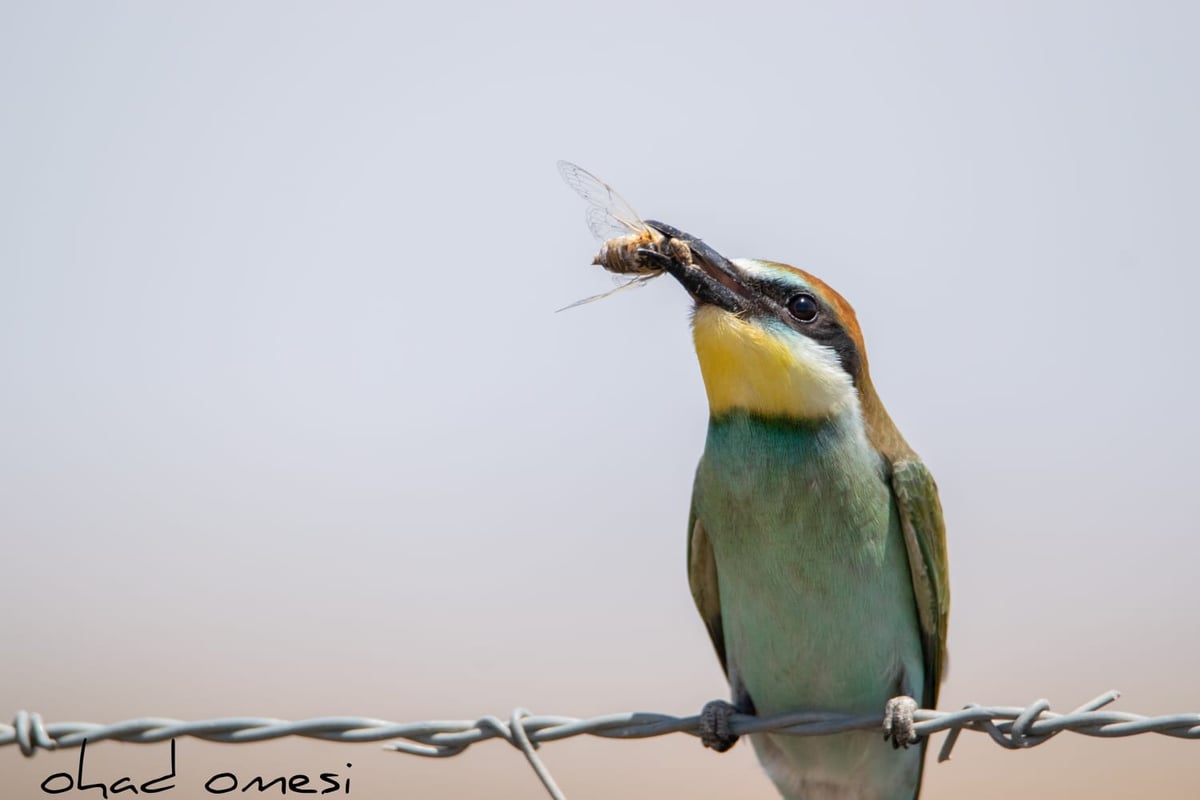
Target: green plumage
x,y
800,566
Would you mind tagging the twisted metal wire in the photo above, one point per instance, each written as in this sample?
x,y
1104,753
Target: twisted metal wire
x,y
1012,727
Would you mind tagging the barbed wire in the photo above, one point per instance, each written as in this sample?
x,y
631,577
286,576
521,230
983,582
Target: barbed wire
x,y
1012,727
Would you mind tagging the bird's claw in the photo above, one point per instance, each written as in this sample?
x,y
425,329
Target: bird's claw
x,y
898,723
716,725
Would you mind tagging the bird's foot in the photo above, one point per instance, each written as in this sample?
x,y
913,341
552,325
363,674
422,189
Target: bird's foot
x,y
716,725
898,722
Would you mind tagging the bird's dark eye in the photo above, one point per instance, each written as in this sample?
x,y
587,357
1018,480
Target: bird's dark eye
x,y
803,307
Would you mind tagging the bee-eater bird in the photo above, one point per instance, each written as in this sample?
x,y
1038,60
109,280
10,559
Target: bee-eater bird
x,y
817,554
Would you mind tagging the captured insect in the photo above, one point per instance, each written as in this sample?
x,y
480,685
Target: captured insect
x,y
626,237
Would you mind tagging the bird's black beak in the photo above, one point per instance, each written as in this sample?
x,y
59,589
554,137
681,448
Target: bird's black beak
x,y
710,278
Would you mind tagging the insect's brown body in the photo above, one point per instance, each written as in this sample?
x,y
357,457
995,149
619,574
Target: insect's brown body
x,y
620,255
630,245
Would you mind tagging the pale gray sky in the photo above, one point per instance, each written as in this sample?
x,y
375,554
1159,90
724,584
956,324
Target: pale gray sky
x,y
288,425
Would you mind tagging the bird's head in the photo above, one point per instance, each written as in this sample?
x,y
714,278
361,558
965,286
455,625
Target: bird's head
x,y
772,340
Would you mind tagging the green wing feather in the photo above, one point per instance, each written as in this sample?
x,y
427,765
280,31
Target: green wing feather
x,y
702,578
925,540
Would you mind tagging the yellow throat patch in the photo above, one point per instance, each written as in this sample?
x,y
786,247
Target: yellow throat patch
x,y
771,372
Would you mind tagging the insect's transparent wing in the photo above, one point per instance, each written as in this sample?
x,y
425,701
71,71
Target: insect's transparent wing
x,y
609,214
640,280
605,226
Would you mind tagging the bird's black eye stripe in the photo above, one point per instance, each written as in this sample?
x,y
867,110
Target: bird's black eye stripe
x,y
803,307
